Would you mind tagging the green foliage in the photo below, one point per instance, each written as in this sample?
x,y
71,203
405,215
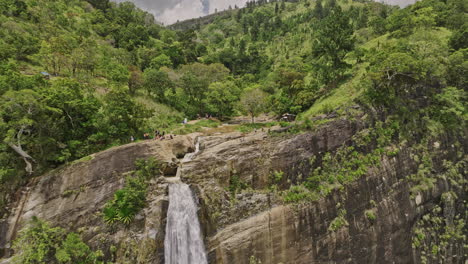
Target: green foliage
x,y
253,102
370,215
434,235
221,98
276,177
290,57
121,117
236,184
147,169
129,200
41,243
452,108
339,221
348,163
299,193
156,83
333,41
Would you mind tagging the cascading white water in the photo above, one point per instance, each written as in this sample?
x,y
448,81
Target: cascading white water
x,y
188,157
183,243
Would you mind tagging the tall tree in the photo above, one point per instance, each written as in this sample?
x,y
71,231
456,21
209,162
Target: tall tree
x,y
318,10
334,39
253,102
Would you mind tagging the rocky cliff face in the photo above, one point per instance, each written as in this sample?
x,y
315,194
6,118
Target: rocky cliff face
x,y
301,234
74,196
380,213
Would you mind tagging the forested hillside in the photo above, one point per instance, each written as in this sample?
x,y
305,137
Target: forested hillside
x,y
77,77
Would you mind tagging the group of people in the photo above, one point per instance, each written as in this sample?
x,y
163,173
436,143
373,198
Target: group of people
x,y
158,135
161,135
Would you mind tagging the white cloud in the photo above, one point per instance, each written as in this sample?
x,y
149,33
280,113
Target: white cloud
x,y
169,11
184,10
401,3
224,4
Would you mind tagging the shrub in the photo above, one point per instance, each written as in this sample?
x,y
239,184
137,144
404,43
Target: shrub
x,y
299,193
326,109
129,200
236,184
370,215
339,221
41,243
276,177
147,169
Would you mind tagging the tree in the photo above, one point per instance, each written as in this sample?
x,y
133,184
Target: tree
x,y
457,72
117,72
459,38
119,118
28,119
334,39
253,102
318,10
74,119
156,83
400,23
221,98
135,81
160,61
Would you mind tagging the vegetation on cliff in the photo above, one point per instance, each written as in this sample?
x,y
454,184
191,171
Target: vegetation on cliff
x,y
41,243
77,77
129,200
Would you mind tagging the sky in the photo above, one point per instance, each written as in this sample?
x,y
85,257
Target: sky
x,y
169,11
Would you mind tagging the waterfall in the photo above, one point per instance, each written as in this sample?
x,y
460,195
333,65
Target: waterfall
x,y
188,157
183,243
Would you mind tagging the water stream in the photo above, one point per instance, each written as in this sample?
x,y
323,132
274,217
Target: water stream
x,y
183,243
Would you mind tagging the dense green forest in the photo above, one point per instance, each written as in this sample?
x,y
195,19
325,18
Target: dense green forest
x,y
77,77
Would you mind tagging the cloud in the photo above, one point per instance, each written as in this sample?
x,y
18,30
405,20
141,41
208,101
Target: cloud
x,y
169,11
224,4
401,3
184,10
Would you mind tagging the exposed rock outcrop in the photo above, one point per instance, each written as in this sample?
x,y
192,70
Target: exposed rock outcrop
x,y
290,234
73,196
379,212
380,208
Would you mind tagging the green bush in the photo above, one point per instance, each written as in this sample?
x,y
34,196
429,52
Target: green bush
x,y
41,243
129,200
276,177
370,215
146,169
326,109
339,221
299,193
236,184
